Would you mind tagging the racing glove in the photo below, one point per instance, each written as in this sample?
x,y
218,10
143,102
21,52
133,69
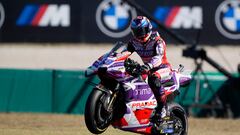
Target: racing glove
x,y
145,68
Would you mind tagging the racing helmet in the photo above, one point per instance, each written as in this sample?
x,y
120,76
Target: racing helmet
x,y
141,28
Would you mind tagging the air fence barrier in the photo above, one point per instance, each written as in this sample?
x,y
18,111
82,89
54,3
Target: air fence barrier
x,y
66,91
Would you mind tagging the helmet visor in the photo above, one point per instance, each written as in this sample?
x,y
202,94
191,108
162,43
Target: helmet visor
x,y
140,32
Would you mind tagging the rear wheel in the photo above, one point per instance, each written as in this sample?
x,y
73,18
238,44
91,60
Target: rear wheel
x,y
178,119
97,118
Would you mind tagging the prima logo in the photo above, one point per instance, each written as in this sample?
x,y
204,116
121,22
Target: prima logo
x,y
143,91
113,18
227,19
2,15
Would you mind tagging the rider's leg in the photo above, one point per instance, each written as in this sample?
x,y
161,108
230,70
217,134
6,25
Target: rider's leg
x,y
155,80
155,84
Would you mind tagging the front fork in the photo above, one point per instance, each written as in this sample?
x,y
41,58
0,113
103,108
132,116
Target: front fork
x,y
109,99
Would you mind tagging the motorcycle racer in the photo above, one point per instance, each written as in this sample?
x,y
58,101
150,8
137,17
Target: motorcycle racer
x,y
125,100
152,49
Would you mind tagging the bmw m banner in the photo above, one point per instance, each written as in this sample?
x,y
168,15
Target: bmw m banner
x,y
40,21
215,21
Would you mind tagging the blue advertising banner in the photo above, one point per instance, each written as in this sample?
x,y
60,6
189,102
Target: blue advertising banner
x,y
217,21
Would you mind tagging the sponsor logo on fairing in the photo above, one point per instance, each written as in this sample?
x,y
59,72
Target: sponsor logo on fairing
x,y
227,19
2,15
143,91
143,104
113,18
45,15
180,17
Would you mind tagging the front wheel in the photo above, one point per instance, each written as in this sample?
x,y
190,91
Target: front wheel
x,y
97,119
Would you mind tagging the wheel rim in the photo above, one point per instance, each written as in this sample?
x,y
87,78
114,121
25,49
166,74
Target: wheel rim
x,y
178,126
103,118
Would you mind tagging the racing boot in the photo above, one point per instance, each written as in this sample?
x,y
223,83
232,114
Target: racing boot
x,y
162,124
160,114
156,114
167,124
160,111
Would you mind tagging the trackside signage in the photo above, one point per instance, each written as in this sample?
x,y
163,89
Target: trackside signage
x,y
2,15
227,19
45,15
113,18
217,21
180,17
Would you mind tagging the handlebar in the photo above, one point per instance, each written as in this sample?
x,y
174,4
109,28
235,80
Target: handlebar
x,y
132,67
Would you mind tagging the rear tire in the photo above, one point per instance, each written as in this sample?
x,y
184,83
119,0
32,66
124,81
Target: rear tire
x,y
180,116
97,119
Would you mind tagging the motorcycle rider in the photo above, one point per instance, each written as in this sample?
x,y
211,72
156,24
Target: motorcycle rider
x,y
152,49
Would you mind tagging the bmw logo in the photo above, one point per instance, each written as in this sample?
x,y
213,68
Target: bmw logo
x,y
2,15
113,18
227,19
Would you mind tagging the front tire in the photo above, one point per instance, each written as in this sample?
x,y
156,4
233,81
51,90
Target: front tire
x,y
97,119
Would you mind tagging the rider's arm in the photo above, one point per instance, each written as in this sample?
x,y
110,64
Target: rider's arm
x,y
129,48
157,59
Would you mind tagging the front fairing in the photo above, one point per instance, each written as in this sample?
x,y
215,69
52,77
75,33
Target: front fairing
x,y
92,70
112,60
116,70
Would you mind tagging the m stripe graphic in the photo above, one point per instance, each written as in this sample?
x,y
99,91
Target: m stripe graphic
x,y
45,15
180,17
39,15
27,15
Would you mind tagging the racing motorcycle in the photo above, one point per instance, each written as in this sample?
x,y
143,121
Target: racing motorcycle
x,y
124,99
